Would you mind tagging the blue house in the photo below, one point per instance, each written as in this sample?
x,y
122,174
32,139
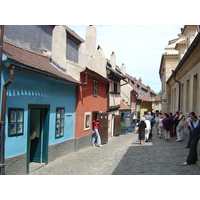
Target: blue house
x,y
40,109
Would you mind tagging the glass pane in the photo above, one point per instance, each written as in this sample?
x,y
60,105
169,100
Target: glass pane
x,y
61,131
58,123
12,128
58,113
19,127
62,122
62,113
12,116
57,132
20,116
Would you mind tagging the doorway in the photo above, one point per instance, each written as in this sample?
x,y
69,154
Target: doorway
x,y
103,125
37,151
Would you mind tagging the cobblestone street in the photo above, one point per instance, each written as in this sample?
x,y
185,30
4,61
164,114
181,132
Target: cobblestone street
x,y
124,155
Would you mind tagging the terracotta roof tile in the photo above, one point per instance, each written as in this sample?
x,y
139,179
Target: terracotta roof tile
x,y
35,61
157,98
144,98
123,106
182,42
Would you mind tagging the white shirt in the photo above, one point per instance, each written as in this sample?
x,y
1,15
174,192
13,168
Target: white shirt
x,y
148,124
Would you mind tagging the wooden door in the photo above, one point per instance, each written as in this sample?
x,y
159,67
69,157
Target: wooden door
x,y
117,121
103,127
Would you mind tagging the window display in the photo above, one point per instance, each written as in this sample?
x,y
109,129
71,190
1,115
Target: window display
x,y
60,114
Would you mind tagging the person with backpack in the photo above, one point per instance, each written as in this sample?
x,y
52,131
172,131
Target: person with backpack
x,y
194,125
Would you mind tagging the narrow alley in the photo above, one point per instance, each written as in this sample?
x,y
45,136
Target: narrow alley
x,y
124,155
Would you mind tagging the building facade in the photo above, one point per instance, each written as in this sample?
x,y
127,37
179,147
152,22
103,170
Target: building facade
x,y
39,108
180,86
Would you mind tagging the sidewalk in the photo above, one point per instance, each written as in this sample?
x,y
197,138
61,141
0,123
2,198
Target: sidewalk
x,y
123,155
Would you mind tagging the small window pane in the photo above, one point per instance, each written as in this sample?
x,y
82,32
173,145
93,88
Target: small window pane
x,y
62,113
19,127
12,128
12,116
20,116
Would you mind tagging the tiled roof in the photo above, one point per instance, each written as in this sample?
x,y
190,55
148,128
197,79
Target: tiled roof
x,y
123,106
182,42
144,98
157,98
35,61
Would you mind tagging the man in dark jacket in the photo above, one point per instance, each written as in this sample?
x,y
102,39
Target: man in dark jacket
x,y
167,126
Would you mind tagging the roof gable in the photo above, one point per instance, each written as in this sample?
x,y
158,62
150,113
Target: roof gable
x,y
35,61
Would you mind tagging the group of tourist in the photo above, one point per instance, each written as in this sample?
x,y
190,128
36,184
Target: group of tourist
x,y
169,125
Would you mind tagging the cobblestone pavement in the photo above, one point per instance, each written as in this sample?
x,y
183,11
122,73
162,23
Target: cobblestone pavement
x,y
123,155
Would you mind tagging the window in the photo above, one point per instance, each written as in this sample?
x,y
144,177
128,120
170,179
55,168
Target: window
x,y
60,114
115,87
16,121
87,121
95,88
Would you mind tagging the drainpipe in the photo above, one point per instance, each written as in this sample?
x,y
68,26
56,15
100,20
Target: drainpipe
x,y
3,115
1,123
179,89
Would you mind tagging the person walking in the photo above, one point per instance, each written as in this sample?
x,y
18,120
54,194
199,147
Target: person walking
x,y
192,157
175,120
96,133
172,127
147,129
160,125
167,126
187,123
150,117
180,127
157,123
141,129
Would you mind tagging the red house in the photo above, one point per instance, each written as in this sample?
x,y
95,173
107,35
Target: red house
x,y
91,101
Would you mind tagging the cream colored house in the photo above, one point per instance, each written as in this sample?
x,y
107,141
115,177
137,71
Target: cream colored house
x,y
137,96
181,87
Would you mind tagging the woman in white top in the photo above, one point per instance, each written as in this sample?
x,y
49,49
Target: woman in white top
x,y
160,126
180,127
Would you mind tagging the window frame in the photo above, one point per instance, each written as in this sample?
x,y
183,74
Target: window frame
x,y
115,87
16,122
60,126
87,120
95,88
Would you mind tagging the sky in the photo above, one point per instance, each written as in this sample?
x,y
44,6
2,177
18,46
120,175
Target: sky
x,y
139,47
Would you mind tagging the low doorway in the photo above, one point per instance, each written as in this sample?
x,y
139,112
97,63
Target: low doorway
x,y
103,125
37,151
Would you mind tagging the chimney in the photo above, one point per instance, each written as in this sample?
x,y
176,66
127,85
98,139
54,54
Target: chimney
x,y
99,62
90,39
123,69
113,60
59,45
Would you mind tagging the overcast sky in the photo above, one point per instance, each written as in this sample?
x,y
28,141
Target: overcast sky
x,y
139,47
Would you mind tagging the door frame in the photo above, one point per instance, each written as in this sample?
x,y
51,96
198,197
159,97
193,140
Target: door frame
x,y
45,139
